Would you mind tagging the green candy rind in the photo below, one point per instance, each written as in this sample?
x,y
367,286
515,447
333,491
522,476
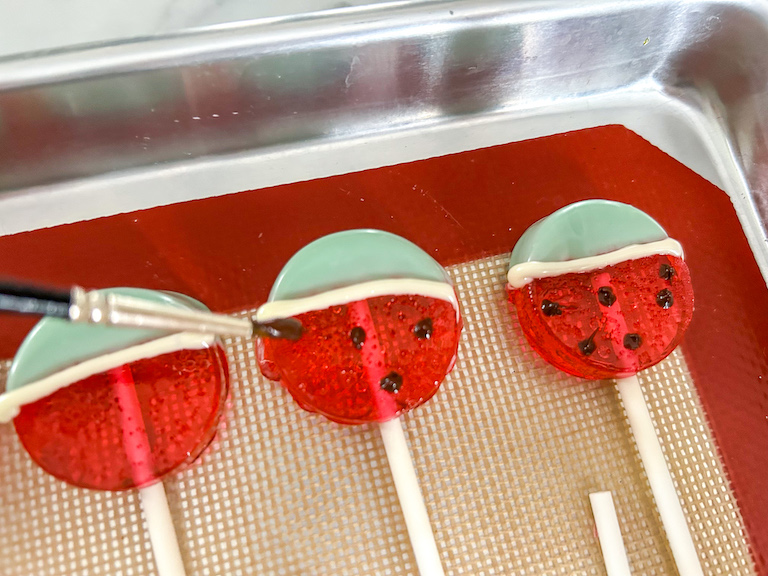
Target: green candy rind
x,y
584,229
353,257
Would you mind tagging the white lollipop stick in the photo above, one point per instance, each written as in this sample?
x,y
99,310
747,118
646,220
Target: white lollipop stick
x,y
162,534
154,502
411,500
609,534
667,502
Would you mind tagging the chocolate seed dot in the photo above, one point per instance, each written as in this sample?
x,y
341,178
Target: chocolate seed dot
x,y
588,345
664,298
391,383
357,335
605,296
549,308
632,341
423,329
666,271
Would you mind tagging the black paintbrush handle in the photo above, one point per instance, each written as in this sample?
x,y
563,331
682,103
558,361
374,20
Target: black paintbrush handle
x,y
35,300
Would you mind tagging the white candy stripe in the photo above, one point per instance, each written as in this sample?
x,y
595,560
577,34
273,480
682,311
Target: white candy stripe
x,y
363,291
525,272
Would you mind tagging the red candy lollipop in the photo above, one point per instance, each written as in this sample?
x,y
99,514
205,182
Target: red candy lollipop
x,y
609,322
381,329
115,408
168,406
368,360
601,291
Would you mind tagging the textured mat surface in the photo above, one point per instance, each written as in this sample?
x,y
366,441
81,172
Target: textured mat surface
x,y
506,454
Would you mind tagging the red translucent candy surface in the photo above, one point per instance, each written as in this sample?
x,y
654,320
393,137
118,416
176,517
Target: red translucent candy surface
x,y
131,425
610,322
331,371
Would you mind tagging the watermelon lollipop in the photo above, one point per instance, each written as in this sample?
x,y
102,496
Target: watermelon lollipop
x,y
601,291
381,329
115,408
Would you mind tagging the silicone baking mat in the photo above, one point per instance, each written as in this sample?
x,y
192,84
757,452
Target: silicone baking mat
x,y
506,453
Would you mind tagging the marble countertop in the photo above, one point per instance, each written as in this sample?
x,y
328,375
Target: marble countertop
x,y
34,25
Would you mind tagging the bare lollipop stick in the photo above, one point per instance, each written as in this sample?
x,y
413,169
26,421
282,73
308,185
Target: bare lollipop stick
x,y
370,300
609,534
411,500
667,501
154,503
637,310
162,534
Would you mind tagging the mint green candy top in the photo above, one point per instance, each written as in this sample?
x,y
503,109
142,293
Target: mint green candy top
x,y
55,344
584,229
353,257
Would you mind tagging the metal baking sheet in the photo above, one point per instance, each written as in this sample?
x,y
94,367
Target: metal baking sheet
x,y
101,130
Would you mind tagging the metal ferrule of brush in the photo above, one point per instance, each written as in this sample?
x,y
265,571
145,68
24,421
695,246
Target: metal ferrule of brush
x,y
120,310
